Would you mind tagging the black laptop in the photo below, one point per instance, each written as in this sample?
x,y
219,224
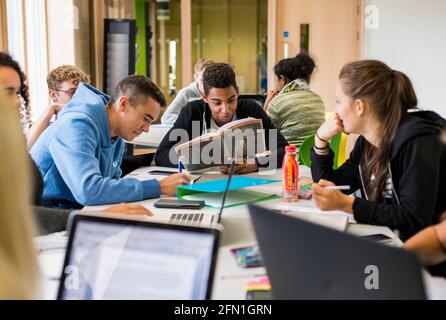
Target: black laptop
x,y
309,261
110,258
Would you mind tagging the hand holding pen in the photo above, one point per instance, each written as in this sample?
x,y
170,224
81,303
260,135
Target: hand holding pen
x,y
328,196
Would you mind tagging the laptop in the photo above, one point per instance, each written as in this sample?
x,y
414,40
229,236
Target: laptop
x,y
110,258
309,261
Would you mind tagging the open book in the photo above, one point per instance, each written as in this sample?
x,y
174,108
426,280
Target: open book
x,y
239,140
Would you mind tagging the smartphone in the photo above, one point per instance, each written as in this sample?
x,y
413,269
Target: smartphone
x,y
161,173
376,237
179,204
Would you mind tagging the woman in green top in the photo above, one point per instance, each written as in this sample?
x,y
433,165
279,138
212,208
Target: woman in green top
x,y
293,108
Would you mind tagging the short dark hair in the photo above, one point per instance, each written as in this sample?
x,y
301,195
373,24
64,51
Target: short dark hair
x,y
138,88
299,67
218,75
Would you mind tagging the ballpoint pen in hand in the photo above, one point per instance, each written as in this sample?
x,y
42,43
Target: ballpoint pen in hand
x,y
337,188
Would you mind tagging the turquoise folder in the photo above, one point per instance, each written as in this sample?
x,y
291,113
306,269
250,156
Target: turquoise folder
x,y
220,185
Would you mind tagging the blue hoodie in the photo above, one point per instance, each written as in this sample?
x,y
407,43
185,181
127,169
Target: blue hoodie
x,y
79,162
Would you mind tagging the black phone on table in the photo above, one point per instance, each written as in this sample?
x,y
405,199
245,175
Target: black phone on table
x,y
376,237
179,204
161,172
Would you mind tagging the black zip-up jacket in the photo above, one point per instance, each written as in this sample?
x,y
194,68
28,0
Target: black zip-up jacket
x,y
199,111
417,170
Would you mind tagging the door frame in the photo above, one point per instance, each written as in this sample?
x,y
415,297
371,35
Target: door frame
x,y
3,27
186,41
272,41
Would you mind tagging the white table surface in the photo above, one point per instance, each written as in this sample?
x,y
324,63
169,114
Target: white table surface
x,y
229,278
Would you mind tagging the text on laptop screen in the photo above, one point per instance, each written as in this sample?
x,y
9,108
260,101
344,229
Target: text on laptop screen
x,y
112,261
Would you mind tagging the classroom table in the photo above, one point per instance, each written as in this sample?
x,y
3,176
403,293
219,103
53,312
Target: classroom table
x,y
229,278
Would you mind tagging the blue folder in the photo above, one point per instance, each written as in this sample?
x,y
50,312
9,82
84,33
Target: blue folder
x,y
238,182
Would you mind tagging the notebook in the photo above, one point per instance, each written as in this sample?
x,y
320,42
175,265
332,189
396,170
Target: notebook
x,y
334,221
234,198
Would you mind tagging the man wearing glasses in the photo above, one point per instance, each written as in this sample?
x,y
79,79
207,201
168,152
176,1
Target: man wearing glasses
x,y
62,85
63,82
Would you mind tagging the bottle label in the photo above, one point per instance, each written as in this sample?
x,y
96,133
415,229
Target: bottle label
x,y
290,176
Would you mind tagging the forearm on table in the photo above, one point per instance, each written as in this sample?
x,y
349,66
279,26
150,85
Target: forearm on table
x,y
426,244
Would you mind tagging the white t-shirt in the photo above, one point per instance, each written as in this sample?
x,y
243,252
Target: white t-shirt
x,y
214,127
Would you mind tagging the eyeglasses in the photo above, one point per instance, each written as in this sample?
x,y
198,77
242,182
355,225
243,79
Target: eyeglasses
x,y
67,92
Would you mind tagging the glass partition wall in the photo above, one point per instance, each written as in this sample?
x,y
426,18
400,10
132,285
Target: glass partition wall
x,y
230,31
234,32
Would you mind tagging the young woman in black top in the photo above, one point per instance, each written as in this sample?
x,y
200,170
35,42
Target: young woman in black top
x,y
398,162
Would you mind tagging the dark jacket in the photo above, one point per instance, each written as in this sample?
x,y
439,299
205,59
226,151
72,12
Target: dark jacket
x,y
50,220
37,184
199,111
418,172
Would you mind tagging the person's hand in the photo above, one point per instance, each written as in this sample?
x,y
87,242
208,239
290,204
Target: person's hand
x,y
54,109
331,127
169,185
331,199
443,136
129,209
241,169
271,95
57,108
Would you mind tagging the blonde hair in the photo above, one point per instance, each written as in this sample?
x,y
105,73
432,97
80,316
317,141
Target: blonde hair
x,y
66,73
18,261
202,64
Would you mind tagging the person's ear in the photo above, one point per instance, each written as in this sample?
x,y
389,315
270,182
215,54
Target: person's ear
x,y
123,103
53,96
282,80
360,107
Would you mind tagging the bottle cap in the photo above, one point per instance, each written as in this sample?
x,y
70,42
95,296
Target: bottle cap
x,y
290,149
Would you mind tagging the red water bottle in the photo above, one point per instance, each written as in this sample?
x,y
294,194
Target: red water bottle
x,y
290,175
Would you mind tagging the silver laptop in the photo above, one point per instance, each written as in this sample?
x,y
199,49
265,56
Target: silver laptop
x,y
203,218
110,258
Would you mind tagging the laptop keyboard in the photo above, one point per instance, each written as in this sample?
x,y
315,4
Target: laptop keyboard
x,y
189,218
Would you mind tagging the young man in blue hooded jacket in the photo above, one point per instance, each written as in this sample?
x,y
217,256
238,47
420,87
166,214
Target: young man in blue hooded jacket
x,y
79,156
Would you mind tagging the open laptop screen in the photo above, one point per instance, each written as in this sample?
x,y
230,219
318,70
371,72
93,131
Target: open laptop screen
x,y
118,259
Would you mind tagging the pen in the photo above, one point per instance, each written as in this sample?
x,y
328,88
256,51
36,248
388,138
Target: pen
x,y
337,188
197,179
180,166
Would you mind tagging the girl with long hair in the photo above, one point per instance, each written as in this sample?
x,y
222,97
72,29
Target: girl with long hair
x,y
398,162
